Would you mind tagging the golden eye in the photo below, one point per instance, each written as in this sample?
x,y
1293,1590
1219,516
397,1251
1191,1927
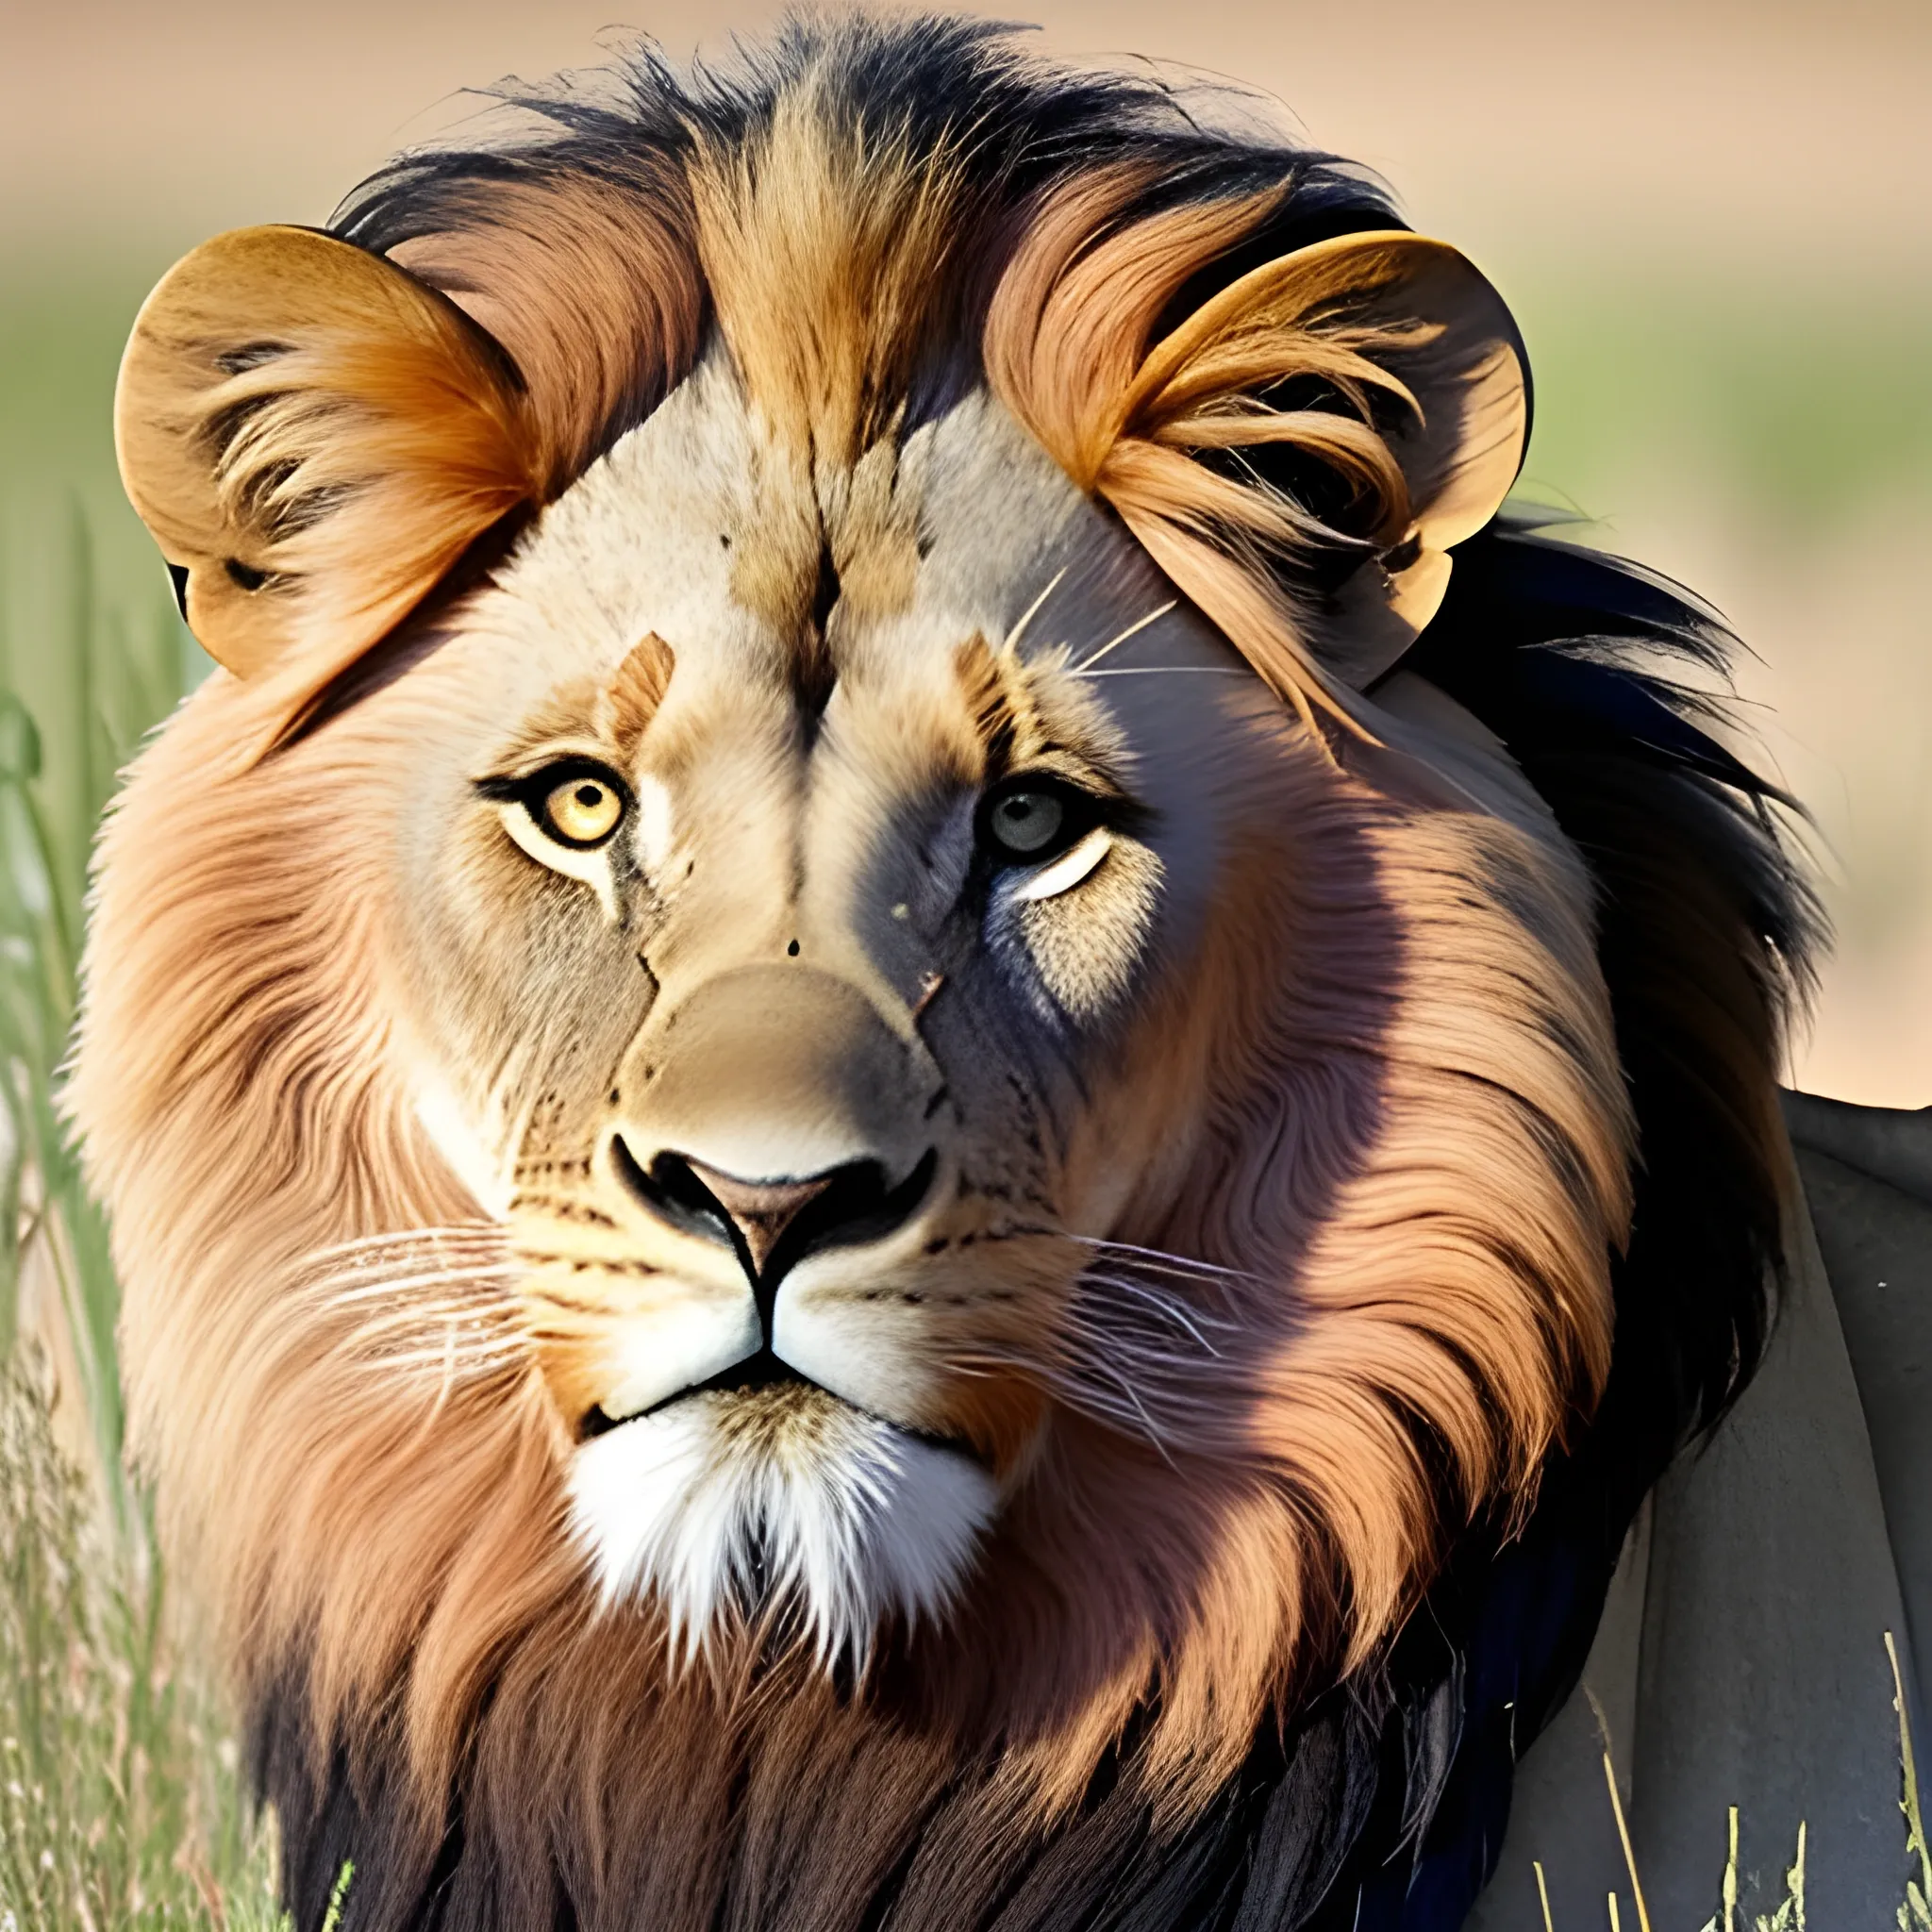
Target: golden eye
x,y
583,810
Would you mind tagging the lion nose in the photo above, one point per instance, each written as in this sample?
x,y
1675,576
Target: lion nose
x,y
762,1210
771,1224
772,1110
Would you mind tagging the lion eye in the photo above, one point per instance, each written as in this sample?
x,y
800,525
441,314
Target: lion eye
x,y
583,810
1031,820
1025,822
574,802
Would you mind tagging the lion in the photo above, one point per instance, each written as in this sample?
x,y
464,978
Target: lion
x,y
926,1090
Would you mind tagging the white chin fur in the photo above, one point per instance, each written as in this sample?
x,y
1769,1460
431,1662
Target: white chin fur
x,y
852,1518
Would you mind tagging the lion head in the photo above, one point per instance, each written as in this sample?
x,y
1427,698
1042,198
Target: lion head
x,y
823,1099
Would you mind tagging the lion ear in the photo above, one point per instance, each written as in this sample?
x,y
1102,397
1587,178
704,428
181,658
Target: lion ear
x,y
314,437
1300,451
1389,373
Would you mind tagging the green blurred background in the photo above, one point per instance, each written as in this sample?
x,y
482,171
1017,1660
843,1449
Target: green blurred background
x,y
1715,223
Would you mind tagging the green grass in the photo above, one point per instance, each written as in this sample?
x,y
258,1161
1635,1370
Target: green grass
x,y
120,1801
121,1804
55,1273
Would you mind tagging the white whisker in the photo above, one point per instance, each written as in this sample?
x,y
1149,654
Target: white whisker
x,y
1011,643
1185,1263
346,1293
1167,1306
425,1317
441,1360
438,1331
481,1232
412,1322
1133,629
420,1303
1139,1355
418,1356
1104,1409
1168,671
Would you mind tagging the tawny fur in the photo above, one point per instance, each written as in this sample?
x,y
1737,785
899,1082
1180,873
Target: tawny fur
x,y
1379,1102
1412,1142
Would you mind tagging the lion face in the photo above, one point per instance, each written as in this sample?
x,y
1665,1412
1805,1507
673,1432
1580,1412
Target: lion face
x,y
871,1022
812,1018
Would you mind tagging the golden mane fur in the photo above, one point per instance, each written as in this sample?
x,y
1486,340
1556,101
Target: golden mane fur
x,y
1418,1151
1382,1103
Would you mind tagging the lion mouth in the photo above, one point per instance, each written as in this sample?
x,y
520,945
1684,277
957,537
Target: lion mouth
x,y
750,1375
770,1388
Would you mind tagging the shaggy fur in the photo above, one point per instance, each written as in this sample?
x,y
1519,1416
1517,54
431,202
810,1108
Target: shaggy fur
x,y
1371,1235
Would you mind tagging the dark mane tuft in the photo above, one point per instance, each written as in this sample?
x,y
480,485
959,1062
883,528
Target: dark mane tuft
x,y
1708,934
1009,129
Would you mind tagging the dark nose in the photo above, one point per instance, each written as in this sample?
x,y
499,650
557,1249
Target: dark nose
x,y
772,1225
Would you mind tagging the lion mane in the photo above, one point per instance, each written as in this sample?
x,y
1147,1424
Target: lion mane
x,y
1294,1491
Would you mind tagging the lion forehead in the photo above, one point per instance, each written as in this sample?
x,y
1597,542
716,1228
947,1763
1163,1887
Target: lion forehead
x,y
701,527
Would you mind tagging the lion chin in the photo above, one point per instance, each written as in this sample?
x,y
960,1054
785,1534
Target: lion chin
x,y
780,1508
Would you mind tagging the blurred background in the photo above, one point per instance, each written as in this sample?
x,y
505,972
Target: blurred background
x,y
1714,222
